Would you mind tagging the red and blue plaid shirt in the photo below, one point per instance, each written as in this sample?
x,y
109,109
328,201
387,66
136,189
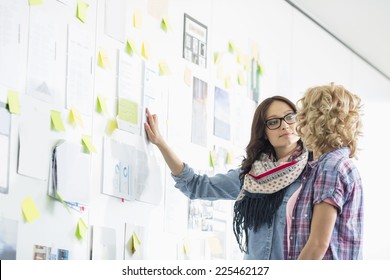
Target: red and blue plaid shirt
x,y
335,178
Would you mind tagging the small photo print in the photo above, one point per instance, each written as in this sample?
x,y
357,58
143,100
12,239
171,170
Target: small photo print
x,y
195,41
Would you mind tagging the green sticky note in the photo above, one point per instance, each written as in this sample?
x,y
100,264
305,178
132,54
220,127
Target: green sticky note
x,y
62,201
241,78
81,12
217,57
130,47
35,2
128,111
13,102
228,158
87,143
165,25
135,243
81,229
111,126
56,120
259,69
29,209
101,105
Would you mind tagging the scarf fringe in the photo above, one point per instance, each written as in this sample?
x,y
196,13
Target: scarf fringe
x,y
252,211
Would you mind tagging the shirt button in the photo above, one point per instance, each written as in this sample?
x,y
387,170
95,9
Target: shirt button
x,y
291,237
293,218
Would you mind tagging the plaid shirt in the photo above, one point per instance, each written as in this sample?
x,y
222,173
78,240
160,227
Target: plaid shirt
x,y
335,178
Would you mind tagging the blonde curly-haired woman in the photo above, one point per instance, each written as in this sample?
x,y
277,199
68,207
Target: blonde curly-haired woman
x,y
327,219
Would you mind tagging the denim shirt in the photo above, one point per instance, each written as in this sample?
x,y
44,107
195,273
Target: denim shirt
x,y
267,242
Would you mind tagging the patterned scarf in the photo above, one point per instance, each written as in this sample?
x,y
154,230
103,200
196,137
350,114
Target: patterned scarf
x,y
263,191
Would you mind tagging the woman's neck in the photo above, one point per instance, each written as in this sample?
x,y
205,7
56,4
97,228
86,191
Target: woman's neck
x,y
285,152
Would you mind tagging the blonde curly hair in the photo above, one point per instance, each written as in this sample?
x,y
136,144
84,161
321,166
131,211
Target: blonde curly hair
x,y
330,118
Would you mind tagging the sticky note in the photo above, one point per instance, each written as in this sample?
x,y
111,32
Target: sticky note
x,y
130,47
81,12
165,24
75,117
231,47
101,105
213,161
228,158
218,57
128,110
188,77
103,59
81,229
111,126
62,201
137,19
135,243
228,82
145,50
259,69
35,2
87,143
241,78
56,120
240,57
186,247
13,102
164,68
29,209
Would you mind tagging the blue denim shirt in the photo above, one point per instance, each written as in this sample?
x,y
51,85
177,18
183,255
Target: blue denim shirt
x,y
267,242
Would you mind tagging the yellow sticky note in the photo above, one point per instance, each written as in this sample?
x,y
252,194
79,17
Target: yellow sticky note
x,y
231,47
228,158
228,82
165,25
254,51
81,229
128,110
35,2
213,161
56,120
188,77
145,50
218,57
87,142
215,246
111,126
137,19
62,201
103,59
130,47
75,117
13,102
164,68
101,105
81,12
241,78
29,209
135,243
186,247
240,57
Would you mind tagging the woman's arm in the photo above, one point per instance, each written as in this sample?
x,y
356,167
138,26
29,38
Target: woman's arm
x,y
151,126
322,224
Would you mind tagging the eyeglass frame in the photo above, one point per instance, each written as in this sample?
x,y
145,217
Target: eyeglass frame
x,y
280,121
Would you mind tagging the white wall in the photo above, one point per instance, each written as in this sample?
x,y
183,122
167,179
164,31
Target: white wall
x,y
295,54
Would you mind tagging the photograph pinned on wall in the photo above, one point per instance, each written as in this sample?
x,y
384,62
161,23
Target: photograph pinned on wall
x,y
221,114
5,127
103,243
254,80
199,113
41,252
8,238
200,215
195,41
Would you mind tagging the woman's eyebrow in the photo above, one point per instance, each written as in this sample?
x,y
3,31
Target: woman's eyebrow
x,y
275,116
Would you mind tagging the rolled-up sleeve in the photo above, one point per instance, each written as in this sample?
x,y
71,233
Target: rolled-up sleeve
x,y
221,186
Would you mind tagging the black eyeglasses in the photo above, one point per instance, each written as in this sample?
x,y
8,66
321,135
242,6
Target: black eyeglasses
x,y
275,123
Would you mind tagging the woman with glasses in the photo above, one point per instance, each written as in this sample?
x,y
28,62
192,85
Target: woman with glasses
x,y
328,216
268,177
